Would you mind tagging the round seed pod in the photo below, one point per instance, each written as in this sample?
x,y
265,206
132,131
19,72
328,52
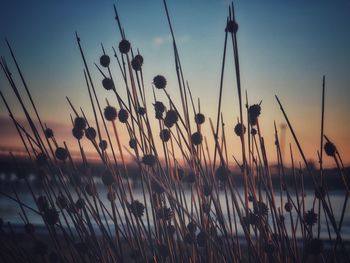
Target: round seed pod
x,y
137,62
164,135
159,115
108,84
199,118
288,206
330,149
40,248
80,123
253,131
108,178
111,196
103,145
159,106
61,154
123,115
149,159
159,82
253,114
77,133
124,46
80,203
222,173
61,202
48,133
231,26
171,118
190,178
196,138
192,227
310,217
165,213
239,129
133,144
90,133
42,203
137,208
141,111
110,113
206,189
105,60
181,173
29,228
51,216
41,159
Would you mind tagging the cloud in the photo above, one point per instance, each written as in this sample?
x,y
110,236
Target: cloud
x,y
159,41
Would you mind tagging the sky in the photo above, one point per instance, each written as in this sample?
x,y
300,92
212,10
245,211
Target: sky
x,y
285,48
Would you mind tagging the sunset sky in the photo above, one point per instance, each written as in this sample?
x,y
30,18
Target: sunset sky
x,y
285,48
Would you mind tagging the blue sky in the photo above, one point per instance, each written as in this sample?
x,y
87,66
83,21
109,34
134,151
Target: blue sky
x,y
285,48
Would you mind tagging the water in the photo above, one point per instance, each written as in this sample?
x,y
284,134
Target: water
x,y
10,211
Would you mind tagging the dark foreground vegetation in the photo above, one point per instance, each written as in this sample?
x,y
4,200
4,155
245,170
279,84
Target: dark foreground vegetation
x,y
195,231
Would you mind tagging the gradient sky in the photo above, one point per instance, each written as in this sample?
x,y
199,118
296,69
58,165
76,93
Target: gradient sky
x,y
285,48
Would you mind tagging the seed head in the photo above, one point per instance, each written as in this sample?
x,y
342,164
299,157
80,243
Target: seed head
x,y
199,118
330,149
196,138
159,106
192,227
51,216
165,213
288,206
108,84
80,123
310,217
141,111
61,154
165,135
149,159
239,129
137,62
110,113
253,114
103,145
159,81
253,131
222,173
124,46
133,144
77,133
48,133
123,115
171,118
137,208
231,26
105,60
108,178
90,189
90,133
